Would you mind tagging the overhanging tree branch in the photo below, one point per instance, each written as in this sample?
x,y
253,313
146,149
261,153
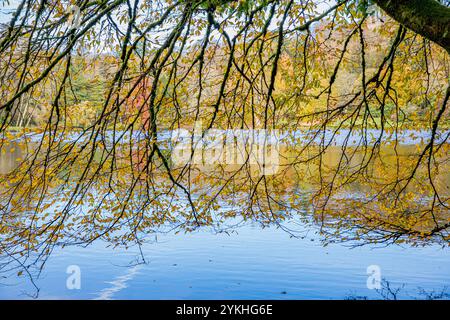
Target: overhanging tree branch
x,y
428,18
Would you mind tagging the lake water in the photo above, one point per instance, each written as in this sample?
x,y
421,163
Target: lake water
x,y
251,262
254,263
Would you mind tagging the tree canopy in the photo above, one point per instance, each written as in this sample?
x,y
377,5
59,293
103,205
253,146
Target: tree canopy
x,y
90,89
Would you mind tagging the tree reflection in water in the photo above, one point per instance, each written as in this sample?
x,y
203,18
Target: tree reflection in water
x,y
71,197
388,291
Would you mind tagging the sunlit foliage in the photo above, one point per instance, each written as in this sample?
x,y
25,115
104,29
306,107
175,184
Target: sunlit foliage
x,y
87,110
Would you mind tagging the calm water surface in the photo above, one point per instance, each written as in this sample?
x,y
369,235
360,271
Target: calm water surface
x,y
253,263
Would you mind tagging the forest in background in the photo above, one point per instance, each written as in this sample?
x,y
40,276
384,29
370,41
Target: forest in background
x,y
306,64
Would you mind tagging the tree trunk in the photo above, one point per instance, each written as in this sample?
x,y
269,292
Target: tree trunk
x,y
428,18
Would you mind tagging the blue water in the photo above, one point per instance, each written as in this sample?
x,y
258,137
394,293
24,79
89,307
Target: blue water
x,y
250,263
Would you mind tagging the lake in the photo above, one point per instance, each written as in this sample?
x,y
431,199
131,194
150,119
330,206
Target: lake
x,y
238,258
